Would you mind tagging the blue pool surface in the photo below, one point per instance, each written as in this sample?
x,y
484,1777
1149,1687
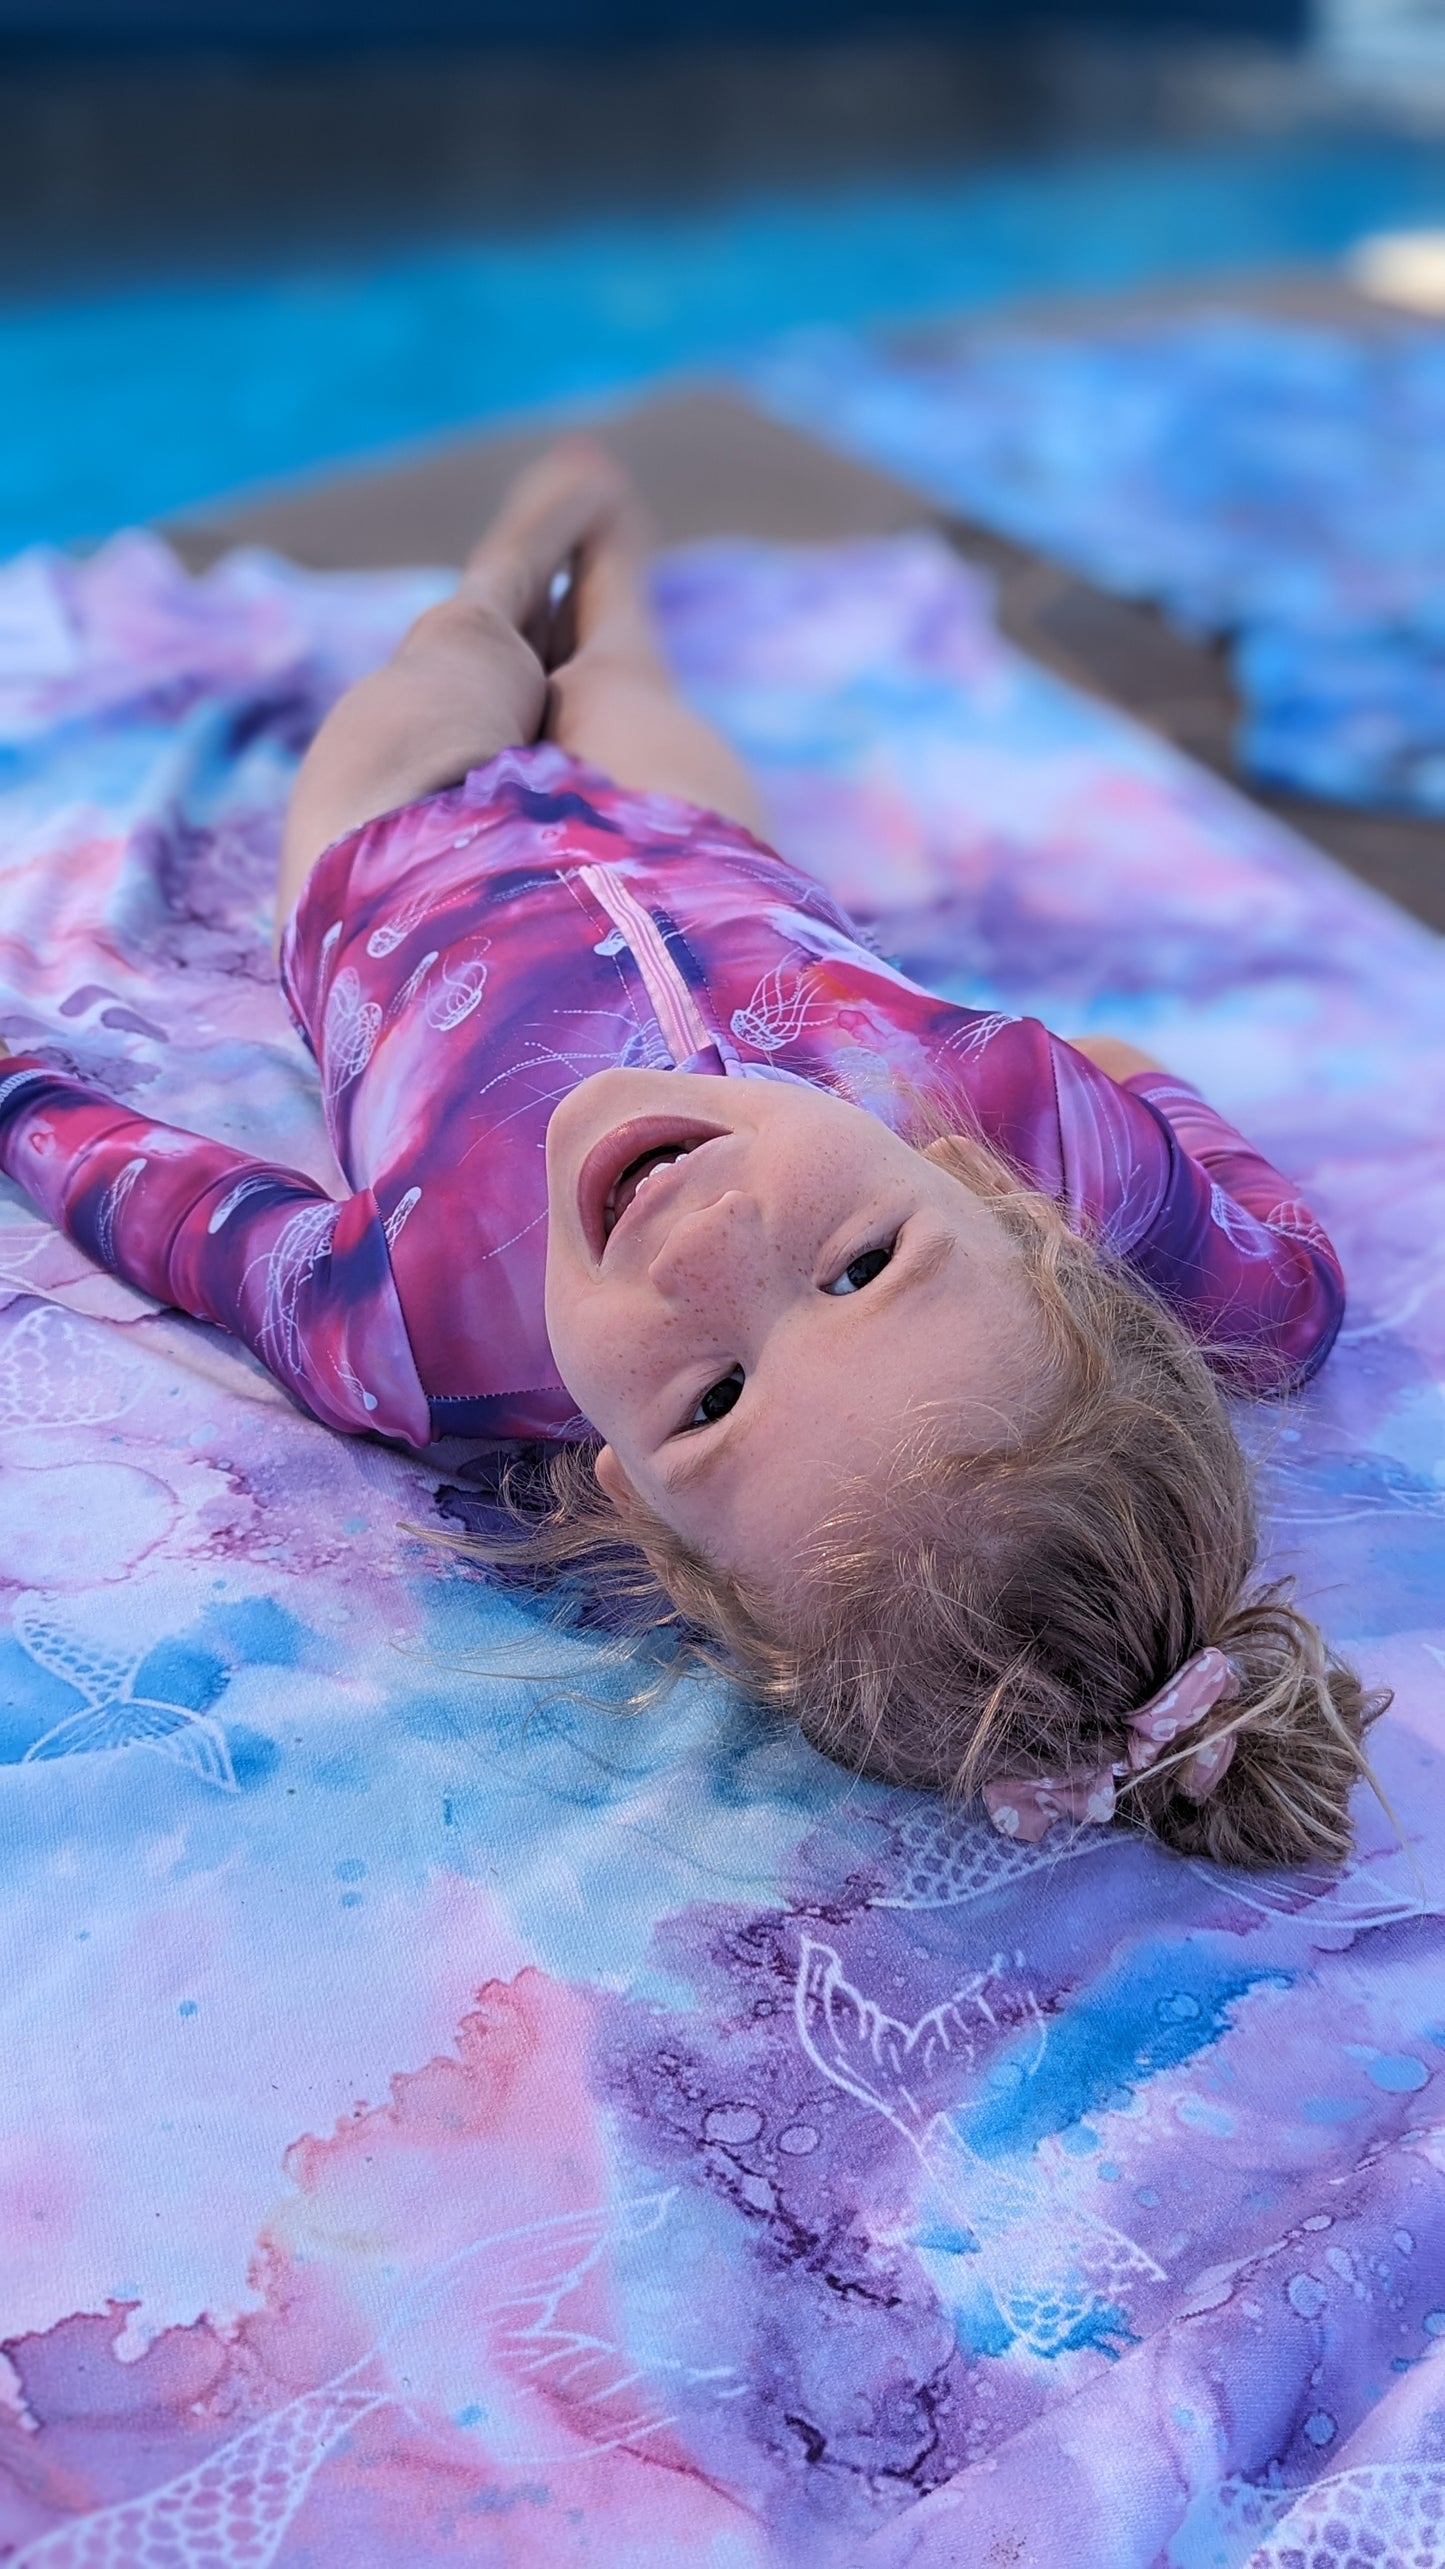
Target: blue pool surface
x,y
124,405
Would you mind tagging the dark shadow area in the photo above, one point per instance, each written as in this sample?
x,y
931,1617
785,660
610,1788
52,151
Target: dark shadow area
x,y
129,25
155,164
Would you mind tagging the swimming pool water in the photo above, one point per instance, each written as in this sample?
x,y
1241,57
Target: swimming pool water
x,y
123,405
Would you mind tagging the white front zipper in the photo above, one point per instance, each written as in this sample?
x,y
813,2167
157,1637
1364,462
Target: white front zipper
x,y
673,1004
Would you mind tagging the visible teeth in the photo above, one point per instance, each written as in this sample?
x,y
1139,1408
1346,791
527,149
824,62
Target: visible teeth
x,y
660,1160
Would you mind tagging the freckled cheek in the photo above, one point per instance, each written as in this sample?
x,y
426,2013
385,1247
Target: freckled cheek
x,y
608,1349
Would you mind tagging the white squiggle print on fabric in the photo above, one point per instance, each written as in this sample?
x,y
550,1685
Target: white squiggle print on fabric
x,y
452,1001
239,1195
646,1050
396,1218
112,1206
1241,1230
614,1034
1358,1898
967,1042
297,1251
1335,1489
776,1013
413,983
351,1381
1051,2267
349,1032
1294,1221
392,932
115,1716
1125,1185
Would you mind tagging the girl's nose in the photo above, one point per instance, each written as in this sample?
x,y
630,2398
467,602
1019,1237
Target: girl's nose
x,y
704,1248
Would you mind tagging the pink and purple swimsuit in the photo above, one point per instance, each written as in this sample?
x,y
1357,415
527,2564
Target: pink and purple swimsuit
x,y
456,967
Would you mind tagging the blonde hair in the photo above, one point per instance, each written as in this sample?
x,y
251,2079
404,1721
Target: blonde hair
x,y
1005,1610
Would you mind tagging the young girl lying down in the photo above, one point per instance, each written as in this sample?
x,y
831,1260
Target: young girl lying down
x,y
868,1326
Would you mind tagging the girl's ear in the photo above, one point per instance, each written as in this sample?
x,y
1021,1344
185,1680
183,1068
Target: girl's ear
x,y
635,1519
612,1481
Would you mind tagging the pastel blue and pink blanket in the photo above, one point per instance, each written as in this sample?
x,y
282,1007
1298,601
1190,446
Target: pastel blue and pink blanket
x,y
447,2119
1278,484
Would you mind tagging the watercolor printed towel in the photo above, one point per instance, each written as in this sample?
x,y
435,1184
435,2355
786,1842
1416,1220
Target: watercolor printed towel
x,y
448,2119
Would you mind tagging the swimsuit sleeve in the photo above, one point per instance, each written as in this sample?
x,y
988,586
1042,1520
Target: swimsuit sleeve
x,y
1231,1231
260,1250
1149,1167
1203,1217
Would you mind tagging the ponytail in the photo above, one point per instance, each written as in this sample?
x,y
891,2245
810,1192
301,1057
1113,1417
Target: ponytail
x,y
1296,1723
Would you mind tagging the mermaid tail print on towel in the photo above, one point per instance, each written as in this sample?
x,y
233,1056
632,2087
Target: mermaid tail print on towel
x,y
602,2395
893,2275
1381,2515
1051,2268
233,2510
60,1372
944,1863
114,1716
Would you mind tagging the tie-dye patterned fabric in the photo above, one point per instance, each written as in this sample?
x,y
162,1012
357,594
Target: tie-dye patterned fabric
x,y
449,2120
458,965
1279,484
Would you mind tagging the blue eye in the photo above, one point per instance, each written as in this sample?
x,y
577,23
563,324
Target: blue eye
x,y
718,1399
860,1271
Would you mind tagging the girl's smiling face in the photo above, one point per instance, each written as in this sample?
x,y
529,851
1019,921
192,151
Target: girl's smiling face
x,y
753,1288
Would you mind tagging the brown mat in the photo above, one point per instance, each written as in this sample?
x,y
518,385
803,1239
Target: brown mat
x,y
709,464
706,462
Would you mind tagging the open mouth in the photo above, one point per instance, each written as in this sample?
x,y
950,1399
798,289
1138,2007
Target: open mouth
x,y
635,1177
620,1168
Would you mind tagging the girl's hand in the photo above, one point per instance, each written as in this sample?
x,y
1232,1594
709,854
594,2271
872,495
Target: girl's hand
x,y
1111,1053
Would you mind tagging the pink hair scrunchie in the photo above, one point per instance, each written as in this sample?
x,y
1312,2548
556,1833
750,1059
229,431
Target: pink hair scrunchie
x,y
1026,1806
